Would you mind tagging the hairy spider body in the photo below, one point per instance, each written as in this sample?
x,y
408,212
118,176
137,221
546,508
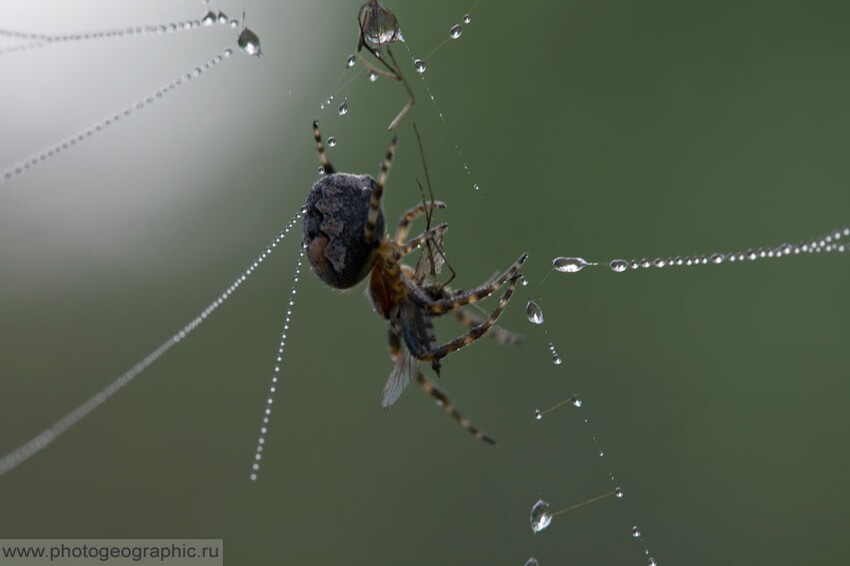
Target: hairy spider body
x,y
345,239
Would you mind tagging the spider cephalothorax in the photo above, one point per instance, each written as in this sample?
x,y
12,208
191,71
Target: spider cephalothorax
x,y
344,239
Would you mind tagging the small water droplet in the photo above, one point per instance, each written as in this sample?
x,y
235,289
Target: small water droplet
x,y
209,19
659,262
331,141
569,264
540,516
534,313
618,492
419,65
532,562
321,169
651,561
576,401
249,43
538,415
373,76
523,281
467,19
222,18
343,108
618,265
636,532
351,61
475,186
456,31
717,258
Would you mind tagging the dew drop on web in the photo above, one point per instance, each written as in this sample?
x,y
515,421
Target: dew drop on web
x,y
534,312
249,43
569,264
456,31
541,516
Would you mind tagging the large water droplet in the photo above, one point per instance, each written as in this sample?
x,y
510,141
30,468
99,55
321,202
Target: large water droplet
x,y
651,561
717,258
534,312
249,43
419,65
636,532
373,76
379,25
331,141
618,492
569,264
540,516
343,108
532,562
456,30
538,414
222,18
576,401
618,265
351,61
209,19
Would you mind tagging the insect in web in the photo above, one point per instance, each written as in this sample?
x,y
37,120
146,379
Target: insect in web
x,y
345,240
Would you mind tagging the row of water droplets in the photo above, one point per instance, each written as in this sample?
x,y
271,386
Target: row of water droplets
x,y
247,42
24,452
267,412
832,242
541,512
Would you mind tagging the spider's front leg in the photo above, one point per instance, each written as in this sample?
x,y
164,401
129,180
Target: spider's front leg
x,y
410,316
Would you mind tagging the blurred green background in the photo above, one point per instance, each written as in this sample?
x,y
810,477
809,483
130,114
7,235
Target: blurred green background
x,y
595,129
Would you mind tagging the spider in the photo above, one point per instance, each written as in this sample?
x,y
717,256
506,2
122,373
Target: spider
x,y
345,241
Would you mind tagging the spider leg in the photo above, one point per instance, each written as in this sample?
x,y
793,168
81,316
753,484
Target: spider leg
x,y
404,222
375,201
414,243
323,157
442,400
434,354
502,336
443,306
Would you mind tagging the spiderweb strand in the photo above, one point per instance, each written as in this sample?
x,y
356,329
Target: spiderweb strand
x,y
267,412
26,451
39,157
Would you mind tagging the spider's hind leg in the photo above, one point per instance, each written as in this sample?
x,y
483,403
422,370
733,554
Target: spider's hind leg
x,y
442,400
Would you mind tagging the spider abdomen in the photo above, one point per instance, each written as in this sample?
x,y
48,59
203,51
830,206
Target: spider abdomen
x,y
334,227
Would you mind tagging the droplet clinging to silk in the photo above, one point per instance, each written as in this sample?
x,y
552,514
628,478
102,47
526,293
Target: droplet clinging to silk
x,y
456,31
570,264
534,312
618,265
351,61
532,562
343,108
331,141
378,24
419,65
249,43
541,516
